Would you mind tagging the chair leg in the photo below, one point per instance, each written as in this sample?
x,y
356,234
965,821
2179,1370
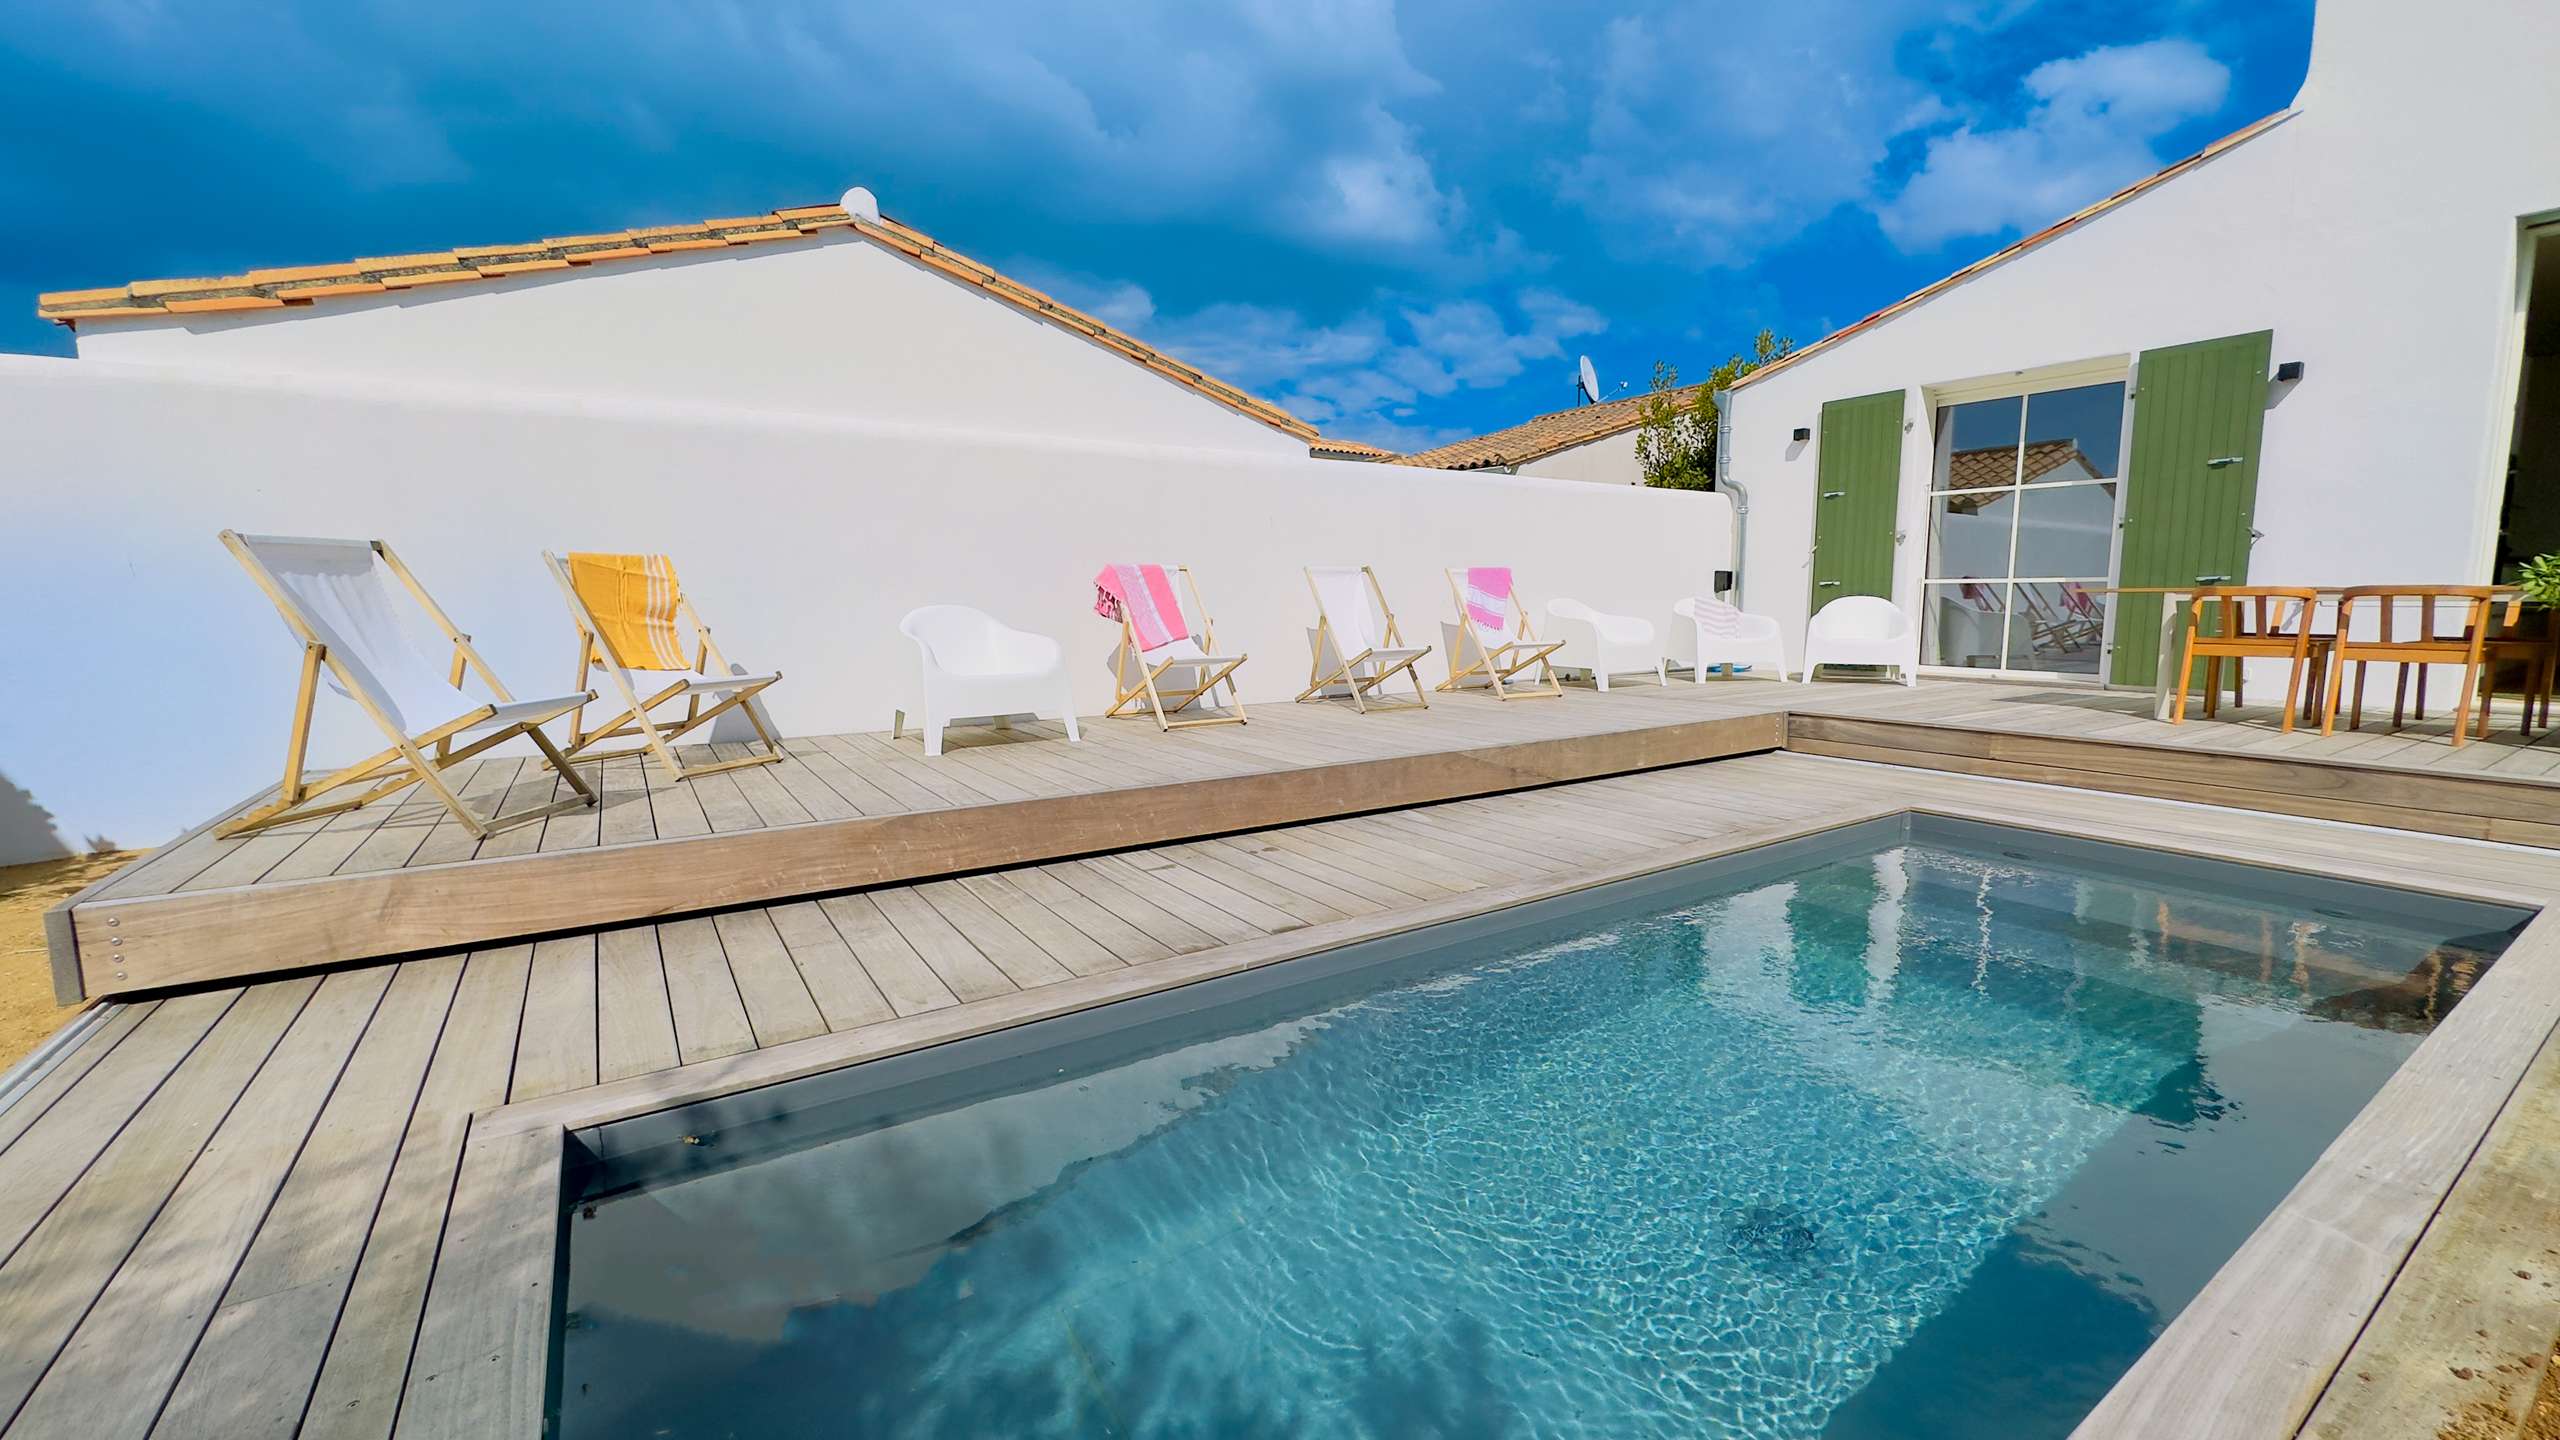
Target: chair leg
x,y
2462,705
2329,701
1067,711
2292,694
2178,711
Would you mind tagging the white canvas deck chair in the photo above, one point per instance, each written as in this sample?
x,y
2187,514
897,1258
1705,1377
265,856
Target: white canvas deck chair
x,y
632,617
1494,653
336,597
1177,673
1355,642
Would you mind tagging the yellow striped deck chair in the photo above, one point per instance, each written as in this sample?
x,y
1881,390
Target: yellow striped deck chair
x,y
634,623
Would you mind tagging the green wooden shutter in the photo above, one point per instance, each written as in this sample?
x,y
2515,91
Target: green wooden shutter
x,y
2191,484
1860,474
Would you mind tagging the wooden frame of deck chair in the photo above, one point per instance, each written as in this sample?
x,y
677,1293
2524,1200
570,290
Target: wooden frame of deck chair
x,y
1342,646
705,673
1499,656
1196,652
332,598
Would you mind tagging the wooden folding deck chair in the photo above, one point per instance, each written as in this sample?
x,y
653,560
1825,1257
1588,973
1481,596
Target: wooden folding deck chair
x,y
1497,653
336,598
1150,675
631,618
1355,642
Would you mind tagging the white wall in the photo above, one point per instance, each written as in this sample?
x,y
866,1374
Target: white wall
x,y
1609,460
2375,235
827,325
153,681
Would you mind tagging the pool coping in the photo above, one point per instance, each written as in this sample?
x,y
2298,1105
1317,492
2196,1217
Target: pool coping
x,y
2250,1356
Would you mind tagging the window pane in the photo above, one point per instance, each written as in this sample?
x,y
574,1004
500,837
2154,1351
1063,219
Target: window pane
x,y
2075,434
1961,624
1969,534
2065,531
2059,625
1978,444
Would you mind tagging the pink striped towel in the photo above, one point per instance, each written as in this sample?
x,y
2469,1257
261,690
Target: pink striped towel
x,y
1488,590
1144,593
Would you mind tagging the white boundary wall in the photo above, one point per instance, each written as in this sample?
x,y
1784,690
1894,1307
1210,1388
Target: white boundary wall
x,y
153,682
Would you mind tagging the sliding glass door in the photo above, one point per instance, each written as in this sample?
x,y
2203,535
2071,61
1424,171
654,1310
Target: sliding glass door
x,y
2022,525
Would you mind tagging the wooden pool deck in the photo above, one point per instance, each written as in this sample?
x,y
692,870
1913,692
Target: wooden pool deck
x,y
846,811
246,1210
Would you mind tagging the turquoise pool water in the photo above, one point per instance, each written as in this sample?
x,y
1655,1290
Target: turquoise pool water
x,y
1920,1131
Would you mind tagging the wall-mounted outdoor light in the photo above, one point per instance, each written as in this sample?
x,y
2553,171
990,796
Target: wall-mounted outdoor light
x,y
2290,370
1802,435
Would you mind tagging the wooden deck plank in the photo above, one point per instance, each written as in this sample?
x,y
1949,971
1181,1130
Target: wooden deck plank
x,y
67,1073
1022,960
56,1274
1124,941
124,1358
357,1394
556,1045
702,996
1072,949
635,1022
894,967
843,990
779,1005
968,974
253,1372
494,1273
56,1148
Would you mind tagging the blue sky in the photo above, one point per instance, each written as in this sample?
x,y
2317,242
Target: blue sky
x,y
1403,221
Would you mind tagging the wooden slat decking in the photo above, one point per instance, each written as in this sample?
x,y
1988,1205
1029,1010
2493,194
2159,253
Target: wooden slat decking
x,y
223,1213
851,810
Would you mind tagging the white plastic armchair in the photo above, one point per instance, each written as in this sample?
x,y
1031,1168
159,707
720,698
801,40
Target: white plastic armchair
x,y
1730,637
978,667
1862,630
1605,644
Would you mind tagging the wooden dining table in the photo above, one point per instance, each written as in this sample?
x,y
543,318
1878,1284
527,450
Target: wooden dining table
x,y
2164,686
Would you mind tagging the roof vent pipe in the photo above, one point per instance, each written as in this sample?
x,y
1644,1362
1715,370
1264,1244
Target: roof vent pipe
x,y
1740,497
862,205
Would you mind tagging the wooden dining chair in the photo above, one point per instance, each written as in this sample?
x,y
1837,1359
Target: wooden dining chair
x,y
2531,640
2241,623
2393,642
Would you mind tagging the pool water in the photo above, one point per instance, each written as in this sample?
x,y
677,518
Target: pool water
x,y
1922,1130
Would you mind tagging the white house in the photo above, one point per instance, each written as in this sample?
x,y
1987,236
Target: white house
x,y
1588,442
2310,354
814,310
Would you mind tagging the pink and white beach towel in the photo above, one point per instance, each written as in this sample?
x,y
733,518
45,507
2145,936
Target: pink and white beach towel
x,y
1488,589
1143,593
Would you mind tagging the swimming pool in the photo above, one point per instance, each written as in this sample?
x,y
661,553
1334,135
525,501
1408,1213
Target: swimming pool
x,y
1918,1128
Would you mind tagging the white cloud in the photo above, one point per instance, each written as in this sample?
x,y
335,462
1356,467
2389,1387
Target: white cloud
x,y
1717,133
1361,377
2092,128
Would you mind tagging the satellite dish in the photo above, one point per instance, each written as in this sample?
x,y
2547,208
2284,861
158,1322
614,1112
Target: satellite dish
x,y
1589,383
862,205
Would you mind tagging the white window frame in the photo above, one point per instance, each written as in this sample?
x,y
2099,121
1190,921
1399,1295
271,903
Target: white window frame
x,y
2023,384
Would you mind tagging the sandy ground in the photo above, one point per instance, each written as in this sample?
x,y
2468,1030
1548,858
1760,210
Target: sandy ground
x,y
27,1011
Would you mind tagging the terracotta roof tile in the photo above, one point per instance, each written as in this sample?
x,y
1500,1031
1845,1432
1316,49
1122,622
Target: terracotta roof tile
x,y
1328,447
1536,439
2006,254
299,285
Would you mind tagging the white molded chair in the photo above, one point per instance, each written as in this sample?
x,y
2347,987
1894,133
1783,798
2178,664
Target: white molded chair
x,y
1605,644
1730,637
1862,630
978,667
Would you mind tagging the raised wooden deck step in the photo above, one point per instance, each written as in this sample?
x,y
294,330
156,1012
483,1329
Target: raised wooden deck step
x,y
844,812
2436,802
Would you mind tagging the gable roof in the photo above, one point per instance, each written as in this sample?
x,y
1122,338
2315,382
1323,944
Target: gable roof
x,y
1541,437
2008,253
299,287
